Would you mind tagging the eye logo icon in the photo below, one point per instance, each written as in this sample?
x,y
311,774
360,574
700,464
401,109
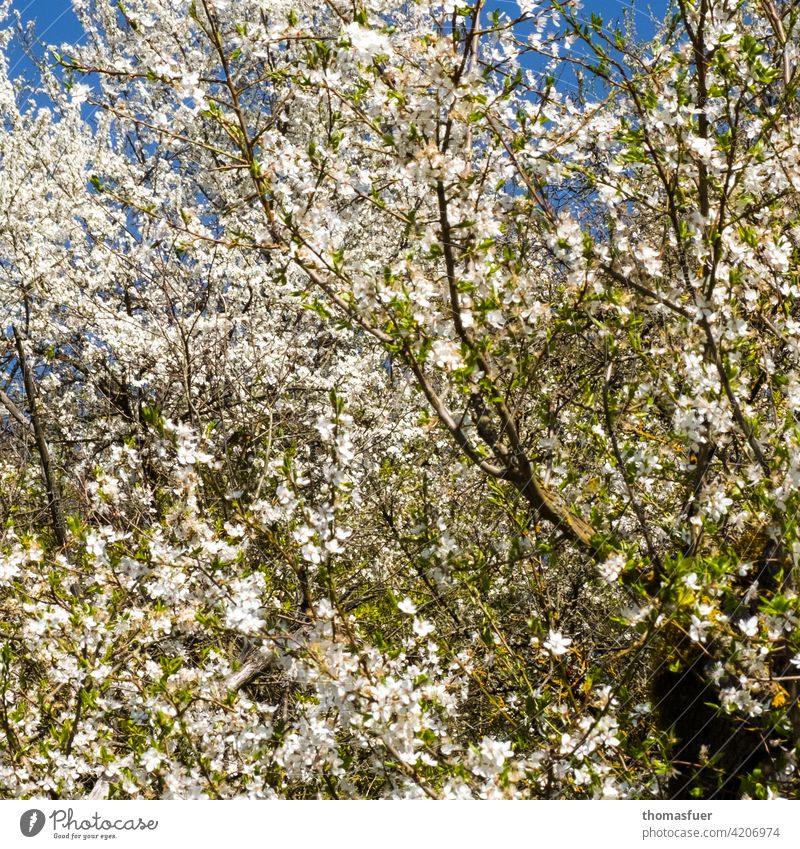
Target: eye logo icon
x,y
31,822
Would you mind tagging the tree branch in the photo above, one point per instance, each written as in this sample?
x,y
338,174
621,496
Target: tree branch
x,y
51,485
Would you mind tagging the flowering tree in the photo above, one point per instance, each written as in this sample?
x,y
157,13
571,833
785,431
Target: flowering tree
x,y
402,400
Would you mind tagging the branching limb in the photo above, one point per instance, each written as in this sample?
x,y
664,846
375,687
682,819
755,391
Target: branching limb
x,y
51,484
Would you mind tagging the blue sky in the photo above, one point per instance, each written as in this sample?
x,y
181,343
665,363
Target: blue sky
x,y
55,22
